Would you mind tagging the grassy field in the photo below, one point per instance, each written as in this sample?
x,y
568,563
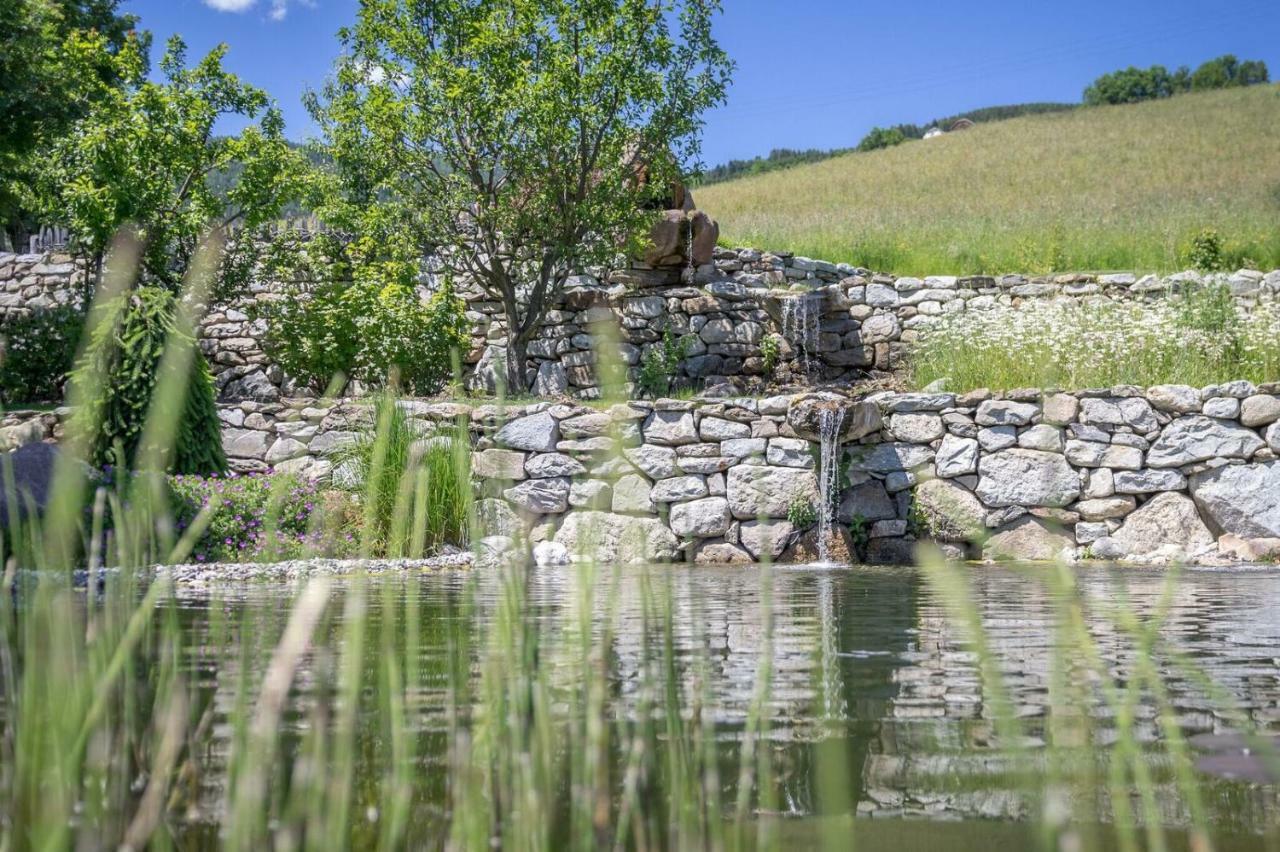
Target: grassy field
x,y
1103,188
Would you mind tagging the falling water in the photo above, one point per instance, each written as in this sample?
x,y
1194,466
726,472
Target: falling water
x,y
800,318
689,270
830,427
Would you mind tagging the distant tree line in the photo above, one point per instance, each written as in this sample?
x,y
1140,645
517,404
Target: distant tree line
x,y
1126,86
878,137
1131,85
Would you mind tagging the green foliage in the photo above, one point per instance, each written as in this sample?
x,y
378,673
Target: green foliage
x,y
143,155
770,351
125,351
1226,71
802,514
39,351
860,535
258,517
363,320
1131,85
659,364
553,123
57,59
415,483
881,137
1205,251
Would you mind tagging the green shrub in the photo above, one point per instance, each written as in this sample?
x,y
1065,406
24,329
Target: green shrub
x,y
1205,251
881,137
364,321
414,481
123,356
39,352
770,351
658,366
802,514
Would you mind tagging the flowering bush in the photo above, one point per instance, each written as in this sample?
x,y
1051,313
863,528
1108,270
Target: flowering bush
x,y
260,517
1074,344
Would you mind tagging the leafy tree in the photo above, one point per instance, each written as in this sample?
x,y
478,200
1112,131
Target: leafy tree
x,y
1226,71
57,59
1130,85
525,137
881,137
144,155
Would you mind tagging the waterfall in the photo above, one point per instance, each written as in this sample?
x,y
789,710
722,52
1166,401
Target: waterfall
x,y
800,318
830,427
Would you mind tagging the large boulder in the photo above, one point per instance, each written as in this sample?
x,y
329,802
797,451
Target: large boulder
x,y
1165,528
1197,438
667,239
1029,539
764,491
1026,478
32,469
856,419
706,233
605,537
950,511
1241,499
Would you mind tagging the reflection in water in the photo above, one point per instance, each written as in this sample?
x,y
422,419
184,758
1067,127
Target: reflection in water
x,y
868,658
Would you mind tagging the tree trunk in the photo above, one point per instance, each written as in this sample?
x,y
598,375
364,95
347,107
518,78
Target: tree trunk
x,y
517,357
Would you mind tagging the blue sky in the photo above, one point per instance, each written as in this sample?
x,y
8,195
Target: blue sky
x,y
811,73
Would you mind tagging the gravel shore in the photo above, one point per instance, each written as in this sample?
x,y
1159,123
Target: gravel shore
x,y
231,572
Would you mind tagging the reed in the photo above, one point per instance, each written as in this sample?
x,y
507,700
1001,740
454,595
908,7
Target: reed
x,y
108,733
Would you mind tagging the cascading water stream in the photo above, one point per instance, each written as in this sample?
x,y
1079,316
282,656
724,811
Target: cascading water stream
x,y
830,428
800,319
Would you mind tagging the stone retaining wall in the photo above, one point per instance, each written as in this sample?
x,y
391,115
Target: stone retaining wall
x,y
1146,475
828,322
1121,473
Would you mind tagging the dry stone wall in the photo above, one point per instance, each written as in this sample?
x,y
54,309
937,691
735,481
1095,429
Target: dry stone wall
x,y
827,322
1143,475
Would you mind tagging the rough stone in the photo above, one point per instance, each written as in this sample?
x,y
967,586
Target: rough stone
x,y
765,491
1241,499
715,429
536,433
720,553
704,518
790,452
1041,437
1166,527
553,464
633,493
860,418
1175,399
1260,410
605,537
670,428
1003,412
917,428
1029,539
541,496
951,512
1148,481
765,539
894,456
657,462
1197,438
956,456
1026,478
1104,508
868,501
679,488
505,465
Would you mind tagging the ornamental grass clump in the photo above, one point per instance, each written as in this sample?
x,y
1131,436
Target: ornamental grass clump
x,y
1195,339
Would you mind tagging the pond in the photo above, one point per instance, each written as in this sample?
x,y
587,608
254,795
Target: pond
x,y
870,662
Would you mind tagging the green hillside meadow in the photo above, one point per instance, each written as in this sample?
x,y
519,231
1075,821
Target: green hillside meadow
x,y
1102,188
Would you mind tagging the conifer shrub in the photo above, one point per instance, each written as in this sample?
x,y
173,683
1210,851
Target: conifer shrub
x,y
123,358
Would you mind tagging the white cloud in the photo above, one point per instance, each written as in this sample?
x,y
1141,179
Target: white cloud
x,y
230,5
277,12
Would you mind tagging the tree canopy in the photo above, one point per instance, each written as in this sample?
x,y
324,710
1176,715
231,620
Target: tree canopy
x,y
57,59
144,155
1132,84
515,132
